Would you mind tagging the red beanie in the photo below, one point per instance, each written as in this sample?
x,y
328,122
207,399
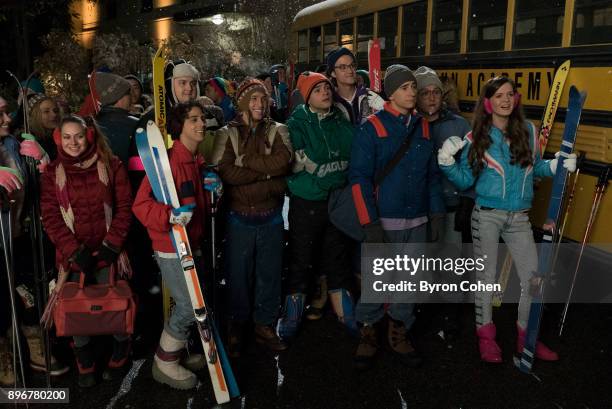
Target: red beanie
x,y
307,81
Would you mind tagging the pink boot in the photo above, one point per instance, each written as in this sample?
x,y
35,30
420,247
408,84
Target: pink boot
x,y
542,351
489,350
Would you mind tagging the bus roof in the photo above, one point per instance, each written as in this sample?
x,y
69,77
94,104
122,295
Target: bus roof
x,y
332,10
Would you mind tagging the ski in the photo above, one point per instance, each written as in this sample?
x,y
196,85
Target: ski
x,y
548,119
154,157
374,64
545,259
159,102
95,99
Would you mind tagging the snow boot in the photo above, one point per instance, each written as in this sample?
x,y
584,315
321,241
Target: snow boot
x,y
86,364
319,299
7,372
35,340
542,351
292,316
367,348
397,336
489,350
342,302
118,363
166,367
265,335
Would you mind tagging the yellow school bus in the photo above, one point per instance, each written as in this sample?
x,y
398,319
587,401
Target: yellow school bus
x,y
473,40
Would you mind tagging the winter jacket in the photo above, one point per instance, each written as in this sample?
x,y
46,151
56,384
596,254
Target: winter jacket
x,y
448,124
364,104
413,188
322,146
155,216
86,196
119,127
10,158
500,185
257,183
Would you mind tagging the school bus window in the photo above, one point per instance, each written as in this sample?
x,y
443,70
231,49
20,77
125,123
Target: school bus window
x,y
387,32
538,23
303,46
487,25
446,26
592,22
330,41
315,44
346,33
413,28
365,32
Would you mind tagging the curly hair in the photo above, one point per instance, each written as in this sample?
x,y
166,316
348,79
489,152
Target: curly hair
x,y
177,116
517,132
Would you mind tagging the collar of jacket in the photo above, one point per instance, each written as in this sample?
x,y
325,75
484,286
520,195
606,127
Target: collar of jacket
x,y
406,119
359,91
313,117
184,155
113,110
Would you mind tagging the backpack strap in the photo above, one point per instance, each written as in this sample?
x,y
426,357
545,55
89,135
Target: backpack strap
x,y
378,126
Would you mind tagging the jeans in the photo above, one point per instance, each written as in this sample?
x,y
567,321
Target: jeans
x,y
514,227
254,259
372,313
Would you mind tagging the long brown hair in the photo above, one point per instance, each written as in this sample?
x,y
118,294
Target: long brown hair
x,y
517,132
104,152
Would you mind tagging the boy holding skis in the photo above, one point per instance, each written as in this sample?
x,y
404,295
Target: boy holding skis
x,y
187,125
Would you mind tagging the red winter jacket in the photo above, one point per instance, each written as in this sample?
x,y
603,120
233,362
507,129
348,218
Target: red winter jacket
x,y
87,201
155,216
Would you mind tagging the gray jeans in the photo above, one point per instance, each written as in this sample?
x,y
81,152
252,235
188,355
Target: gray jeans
x,y
182,316
514,227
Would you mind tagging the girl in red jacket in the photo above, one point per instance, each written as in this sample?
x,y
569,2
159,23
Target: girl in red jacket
x,y
85,204
187,125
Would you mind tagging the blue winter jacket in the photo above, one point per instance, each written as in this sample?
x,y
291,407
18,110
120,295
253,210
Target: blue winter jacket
x,y
413,188
448,124
500,185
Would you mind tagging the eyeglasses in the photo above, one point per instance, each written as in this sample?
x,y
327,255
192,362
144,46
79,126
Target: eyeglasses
x,y
436,93
344,67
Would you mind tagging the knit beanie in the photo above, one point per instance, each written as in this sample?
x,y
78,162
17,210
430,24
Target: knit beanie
x,y
111,88
334,55
425,77
135,78
395,76
365,75
246,89
307,81
219,85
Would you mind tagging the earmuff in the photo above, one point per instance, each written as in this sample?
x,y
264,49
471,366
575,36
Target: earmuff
x,y
57,135
488,107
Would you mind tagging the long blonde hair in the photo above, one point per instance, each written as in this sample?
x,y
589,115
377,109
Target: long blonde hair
x,y
35,120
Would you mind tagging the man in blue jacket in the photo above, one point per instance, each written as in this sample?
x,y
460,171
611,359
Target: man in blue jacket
x,y
443,124
397,210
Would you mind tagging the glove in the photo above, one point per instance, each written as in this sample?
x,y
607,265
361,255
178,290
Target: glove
x,y
10,179
436,226
30,148
182,215
448,150
569,163
374,233
303,162
239,161
107,255
213,183
84,260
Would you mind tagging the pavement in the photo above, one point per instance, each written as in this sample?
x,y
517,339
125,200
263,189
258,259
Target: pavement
x,y
317,372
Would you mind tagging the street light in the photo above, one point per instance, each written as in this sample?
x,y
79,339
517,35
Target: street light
x,y
217,19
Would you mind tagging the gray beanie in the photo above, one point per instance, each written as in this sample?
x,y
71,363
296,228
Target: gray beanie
x,y
111,88
425,77
395,76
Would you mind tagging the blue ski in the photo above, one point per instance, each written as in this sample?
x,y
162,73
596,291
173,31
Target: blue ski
x,y
545,257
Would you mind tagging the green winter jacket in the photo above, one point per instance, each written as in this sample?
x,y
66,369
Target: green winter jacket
x,y
322,145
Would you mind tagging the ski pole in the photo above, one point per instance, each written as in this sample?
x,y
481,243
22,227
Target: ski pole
x,y
600,190
6,246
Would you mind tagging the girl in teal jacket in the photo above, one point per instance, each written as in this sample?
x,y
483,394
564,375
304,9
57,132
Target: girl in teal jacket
x,y
501,158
